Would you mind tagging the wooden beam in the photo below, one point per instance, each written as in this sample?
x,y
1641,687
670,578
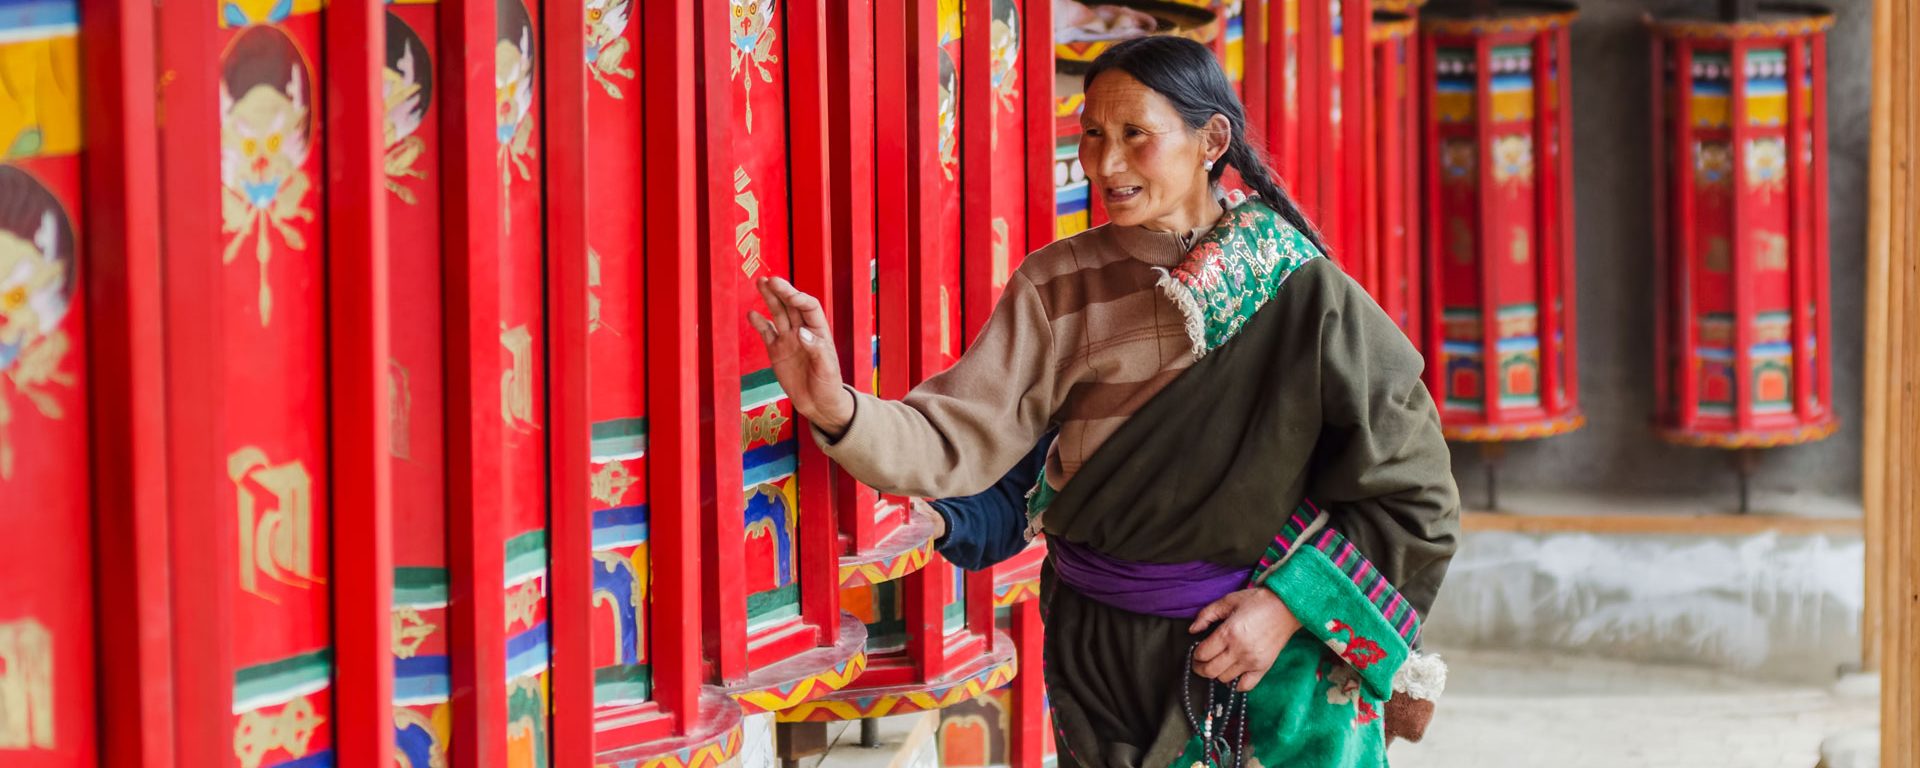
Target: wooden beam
x,y
1894,228
1874,474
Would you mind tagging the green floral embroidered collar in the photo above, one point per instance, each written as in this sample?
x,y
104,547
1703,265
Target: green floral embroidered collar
x,y
1232,272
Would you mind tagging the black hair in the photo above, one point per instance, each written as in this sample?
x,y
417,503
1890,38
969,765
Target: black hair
x,y
1187,74
400,38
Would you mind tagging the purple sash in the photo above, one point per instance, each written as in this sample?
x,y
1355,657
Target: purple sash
x,y
1170,590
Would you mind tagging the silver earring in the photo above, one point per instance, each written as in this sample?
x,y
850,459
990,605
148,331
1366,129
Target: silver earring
x,y
1209,165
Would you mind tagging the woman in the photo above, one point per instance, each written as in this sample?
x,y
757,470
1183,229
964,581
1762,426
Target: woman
x,y
1244,449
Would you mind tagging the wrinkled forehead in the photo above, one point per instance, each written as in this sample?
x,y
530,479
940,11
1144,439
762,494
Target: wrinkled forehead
x,y
1115,98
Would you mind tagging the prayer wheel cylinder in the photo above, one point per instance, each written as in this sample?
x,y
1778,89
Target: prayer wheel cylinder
x,y
1740,207
1500,340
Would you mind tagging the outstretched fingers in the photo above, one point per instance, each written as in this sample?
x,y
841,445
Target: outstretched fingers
x,y
761,325
776,306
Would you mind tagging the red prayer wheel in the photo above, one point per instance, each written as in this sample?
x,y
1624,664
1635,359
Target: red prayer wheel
x,y
1386,261
1331,76
1500,339
1740,207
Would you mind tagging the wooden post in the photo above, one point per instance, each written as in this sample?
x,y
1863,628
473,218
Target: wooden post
x,y
1894,238
1873,466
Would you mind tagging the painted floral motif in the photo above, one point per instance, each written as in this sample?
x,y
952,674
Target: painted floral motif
x,y
1712,163
36,289
1232,272
410,630
513,61
1343,690
1767,164
1004,44
1513,159
949,116
265,131
290,730
763,428
751,30
1352,647
608,485
607,45
1457,160
406,88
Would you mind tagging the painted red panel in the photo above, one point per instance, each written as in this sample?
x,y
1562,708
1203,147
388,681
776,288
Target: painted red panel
x,y
761,246
1007,221
617,348
522,354
416,382
275,445
46,585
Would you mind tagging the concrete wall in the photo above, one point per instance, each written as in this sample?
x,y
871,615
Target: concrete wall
x,y
1617,452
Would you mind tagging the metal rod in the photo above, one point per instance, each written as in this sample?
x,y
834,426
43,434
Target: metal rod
x,y
1490,455
1745,459
869,733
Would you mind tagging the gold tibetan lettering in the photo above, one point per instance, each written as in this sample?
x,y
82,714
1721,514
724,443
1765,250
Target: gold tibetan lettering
x,y
26,685
276,520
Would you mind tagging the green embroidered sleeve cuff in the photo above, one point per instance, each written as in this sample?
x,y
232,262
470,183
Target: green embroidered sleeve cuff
x,y
1340,598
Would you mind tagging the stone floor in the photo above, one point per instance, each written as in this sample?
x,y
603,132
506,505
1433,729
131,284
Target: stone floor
x,y
1523,709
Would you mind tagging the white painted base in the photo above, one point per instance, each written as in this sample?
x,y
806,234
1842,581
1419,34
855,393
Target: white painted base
x,y
1776,607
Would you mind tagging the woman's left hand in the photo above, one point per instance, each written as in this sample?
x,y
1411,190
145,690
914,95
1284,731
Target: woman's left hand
x,y
1254,626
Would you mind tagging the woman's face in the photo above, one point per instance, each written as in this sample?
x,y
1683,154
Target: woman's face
x,y
1141,159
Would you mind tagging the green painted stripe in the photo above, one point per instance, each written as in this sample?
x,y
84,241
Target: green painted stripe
x,y
526,554
264,680
760,387
775,616
413,585
620,428
619,437
759,605
622,683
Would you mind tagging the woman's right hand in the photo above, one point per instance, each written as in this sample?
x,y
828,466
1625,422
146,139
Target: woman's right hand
x,y
800,345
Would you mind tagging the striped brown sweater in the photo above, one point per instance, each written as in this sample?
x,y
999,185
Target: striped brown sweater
x,y
1081,338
